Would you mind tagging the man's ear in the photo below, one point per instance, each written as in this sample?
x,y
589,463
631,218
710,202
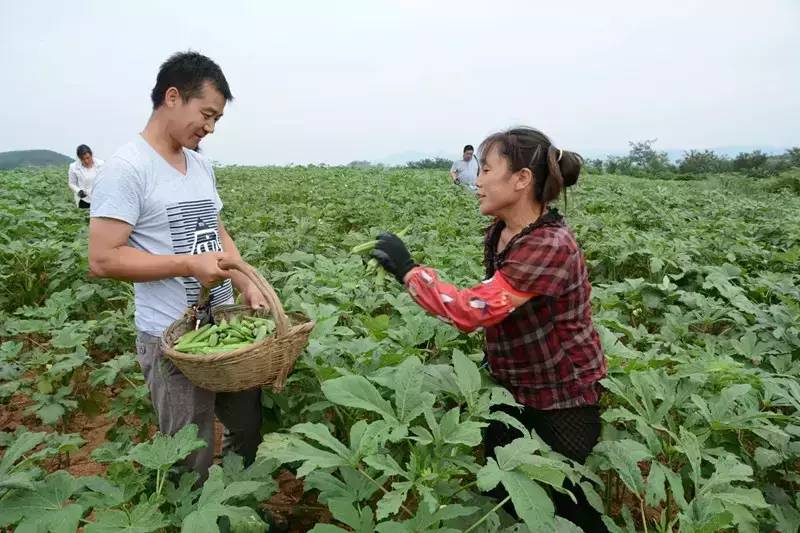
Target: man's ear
x,y
171,97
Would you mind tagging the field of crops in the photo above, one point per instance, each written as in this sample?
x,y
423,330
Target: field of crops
x,y
696,297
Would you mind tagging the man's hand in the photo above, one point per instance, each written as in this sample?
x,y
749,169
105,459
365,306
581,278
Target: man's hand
x,y
81,194
205,268
252,297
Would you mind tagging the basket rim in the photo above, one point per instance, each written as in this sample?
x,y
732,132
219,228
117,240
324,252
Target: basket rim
x,y
293,331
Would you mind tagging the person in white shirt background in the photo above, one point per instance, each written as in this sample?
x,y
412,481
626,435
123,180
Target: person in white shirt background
x,y
465,170
82,174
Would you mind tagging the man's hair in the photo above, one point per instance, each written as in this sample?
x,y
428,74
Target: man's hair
x,y
83,150
469,147
187,72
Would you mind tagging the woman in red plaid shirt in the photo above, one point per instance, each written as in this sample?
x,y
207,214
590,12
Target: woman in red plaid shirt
x,y
534,305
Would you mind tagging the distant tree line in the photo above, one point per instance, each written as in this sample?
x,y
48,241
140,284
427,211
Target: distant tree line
x,y
644,159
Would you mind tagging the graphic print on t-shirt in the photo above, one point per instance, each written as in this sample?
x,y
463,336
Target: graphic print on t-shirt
x,y
193,227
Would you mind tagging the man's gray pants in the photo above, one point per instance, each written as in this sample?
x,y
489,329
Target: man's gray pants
x,y
178,402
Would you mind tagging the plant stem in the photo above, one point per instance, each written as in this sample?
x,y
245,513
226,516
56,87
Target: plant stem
x,y
641,510
465,487
406,509
484,517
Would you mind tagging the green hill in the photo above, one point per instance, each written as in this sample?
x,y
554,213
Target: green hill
x,y
32,158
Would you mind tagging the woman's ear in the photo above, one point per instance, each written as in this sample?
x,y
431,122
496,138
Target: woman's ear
x,y
522,179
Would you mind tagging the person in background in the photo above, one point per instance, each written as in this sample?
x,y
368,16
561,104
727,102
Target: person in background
x,y
465,171
534,305
82,174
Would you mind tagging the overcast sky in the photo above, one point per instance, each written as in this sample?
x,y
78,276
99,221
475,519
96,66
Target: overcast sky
x,y
337,81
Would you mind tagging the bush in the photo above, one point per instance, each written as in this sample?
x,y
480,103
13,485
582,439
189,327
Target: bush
x,y
702,162
438,163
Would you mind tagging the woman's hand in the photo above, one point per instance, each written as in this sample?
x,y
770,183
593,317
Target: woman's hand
x,y
392,254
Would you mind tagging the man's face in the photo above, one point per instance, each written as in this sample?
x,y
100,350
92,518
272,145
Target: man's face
x,y
468,155
192,120
86,160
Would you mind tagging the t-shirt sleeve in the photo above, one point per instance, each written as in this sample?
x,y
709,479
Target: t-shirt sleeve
x,y
542,264
454,167
117,192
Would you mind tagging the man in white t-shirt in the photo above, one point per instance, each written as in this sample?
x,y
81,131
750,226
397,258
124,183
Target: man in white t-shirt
x,y
82,174
155,222
465,170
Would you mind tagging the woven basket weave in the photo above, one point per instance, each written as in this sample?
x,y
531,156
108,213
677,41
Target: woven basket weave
x,y
267,362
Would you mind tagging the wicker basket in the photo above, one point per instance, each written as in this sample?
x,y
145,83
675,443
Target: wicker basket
x,y
265,362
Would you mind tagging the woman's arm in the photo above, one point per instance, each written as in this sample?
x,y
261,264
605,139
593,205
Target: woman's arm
x,y
484,305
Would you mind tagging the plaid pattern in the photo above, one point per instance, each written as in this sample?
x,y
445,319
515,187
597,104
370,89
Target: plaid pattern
x,y
547,353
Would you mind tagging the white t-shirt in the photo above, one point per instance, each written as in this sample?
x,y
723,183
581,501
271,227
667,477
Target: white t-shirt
x,y
82,179
466,171
171,213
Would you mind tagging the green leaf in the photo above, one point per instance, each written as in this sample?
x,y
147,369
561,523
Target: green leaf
x,y
291,448
260,470
766,458
690,447
245,520
518,452
624,455
164,451
787,518
390,503
354,486
489,476
358,392
727,470
212,503
752,498
68,338
102,493
45,507
386,464
468,376
368,438
656,481
22,444
508,420
409,399
50,413
454,431
109,371
531,502
19,480
321,434
143,518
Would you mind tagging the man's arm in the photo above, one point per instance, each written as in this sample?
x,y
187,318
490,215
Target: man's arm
x,y
453,173
250,292
111,257
73,181
240,281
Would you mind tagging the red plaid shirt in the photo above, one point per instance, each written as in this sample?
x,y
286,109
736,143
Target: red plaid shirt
x,y
547,353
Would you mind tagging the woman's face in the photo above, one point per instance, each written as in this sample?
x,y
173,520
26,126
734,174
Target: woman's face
x,y
86,160
498,187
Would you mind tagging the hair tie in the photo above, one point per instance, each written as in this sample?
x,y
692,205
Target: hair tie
x,y
560,153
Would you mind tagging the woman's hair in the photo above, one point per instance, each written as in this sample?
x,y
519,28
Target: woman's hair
x,y
523,147
83,150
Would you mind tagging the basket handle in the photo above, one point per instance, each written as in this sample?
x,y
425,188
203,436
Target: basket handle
x,y
275,307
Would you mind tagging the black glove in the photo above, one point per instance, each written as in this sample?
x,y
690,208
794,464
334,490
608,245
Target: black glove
x,y
393,255
81,194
